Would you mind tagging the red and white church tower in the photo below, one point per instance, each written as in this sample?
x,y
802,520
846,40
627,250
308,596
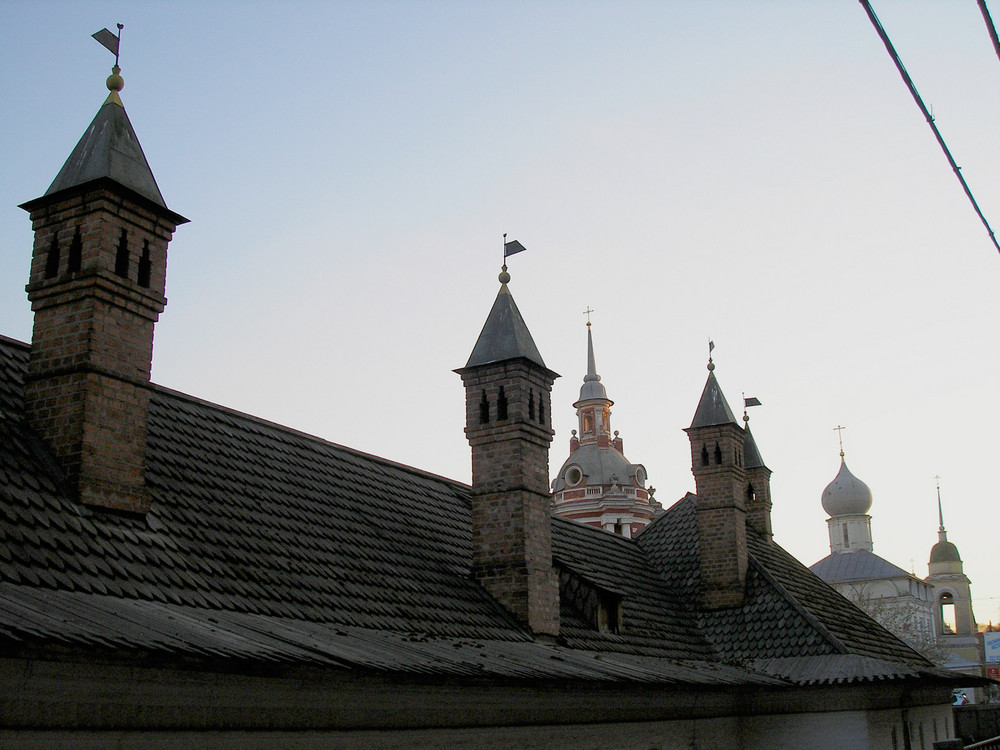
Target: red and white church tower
x,y
597,485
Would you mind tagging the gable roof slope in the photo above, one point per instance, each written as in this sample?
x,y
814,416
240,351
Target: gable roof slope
x,y
266,545
788,612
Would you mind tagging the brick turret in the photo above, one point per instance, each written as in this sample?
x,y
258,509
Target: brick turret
x,y
508,424
758,491
720,480
96,286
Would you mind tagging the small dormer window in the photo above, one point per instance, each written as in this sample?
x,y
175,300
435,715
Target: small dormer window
x,y
600,608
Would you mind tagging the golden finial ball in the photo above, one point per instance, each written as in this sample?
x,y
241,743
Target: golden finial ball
x,y
115,82
504,277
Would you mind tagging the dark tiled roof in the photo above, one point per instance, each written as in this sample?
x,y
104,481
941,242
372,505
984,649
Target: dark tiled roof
x,y
860,565
788,611
266,545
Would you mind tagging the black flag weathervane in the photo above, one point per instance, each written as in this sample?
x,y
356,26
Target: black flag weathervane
x,y
110,40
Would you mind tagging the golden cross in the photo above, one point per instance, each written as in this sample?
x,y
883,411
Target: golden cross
x,y
840,436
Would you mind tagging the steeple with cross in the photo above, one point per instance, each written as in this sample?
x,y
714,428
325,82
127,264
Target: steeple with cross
x,y
597,485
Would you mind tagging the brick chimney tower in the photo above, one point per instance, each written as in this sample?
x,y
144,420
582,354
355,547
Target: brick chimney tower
x,y
96,286
508,424
717,445
758,492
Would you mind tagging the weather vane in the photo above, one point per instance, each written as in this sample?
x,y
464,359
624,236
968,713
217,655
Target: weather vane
x,y
747,403
110,41
509,248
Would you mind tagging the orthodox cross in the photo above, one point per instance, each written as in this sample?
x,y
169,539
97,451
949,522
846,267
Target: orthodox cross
x,y
839,429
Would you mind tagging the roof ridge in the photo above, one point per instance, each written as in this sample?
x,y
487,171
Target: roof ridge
x,y
172,393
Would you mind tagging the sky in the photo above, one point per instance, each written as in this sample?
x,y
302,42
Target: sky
x,y
756,174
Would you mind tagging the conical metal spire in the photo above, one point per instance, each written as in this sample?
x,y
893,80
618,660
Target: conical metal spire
x,y
592,386
505,335
942,534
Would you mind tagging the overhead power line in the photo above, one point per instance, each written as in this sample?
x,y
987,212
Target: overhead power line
x,y
927,116
989,26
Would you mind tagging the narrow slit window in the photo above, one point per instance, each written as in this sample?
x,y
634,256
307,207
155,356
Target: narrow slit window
x,y
541,409
121,257
718,454
501,404
145,266
484,410
75,252
704,455
52,260
531,405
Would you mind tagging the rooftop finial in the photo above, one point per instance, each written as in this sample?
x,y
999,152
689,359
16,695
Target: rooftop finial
x,y
587,312
711,348
509,248
111,42
839,429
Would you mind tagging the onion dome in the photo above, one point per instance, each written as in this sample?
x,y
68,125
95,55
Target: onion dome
x,y
846,495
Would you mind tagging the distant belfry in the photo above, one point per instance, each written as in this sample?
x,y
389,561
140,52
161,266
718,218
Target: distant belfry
x,y
597,485
953,617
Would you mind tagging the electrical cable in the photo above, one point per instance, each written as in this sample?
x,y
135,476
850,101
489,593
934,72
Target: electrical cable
x,y
927,116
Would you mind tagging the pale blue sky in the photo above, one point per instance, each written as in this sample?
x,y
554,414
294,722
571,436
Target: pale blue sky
x,y
754,172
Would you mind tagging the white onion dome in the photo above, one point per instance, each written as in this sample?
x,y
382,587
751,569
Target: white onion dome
x,y
846,495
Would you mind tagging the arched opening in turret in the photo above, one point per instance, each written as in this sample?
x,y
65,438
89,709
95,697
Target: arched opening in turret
x,y
946,602
704,455
750,495
531,405
501,404
75,260
52,260
541,408
718,454
121,257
